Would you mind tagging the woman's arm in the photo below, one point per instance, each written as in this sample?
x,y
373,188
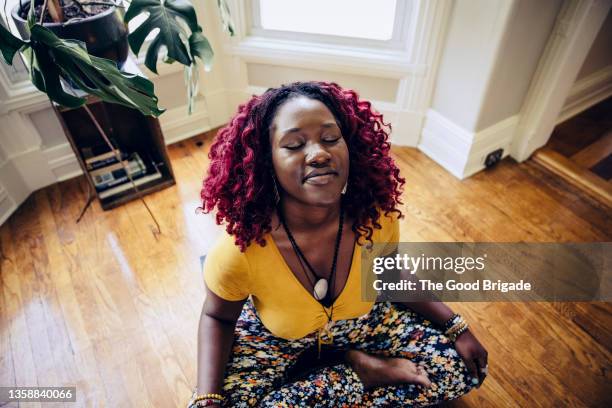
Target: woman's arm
x,y
215,338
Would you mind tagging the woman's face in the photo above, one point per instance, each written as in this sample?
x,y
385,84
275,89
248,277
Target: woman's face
x,y
309,154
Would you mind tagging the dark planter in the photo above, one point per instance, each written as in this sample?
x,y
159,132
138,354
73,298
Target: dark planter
x,y
105,33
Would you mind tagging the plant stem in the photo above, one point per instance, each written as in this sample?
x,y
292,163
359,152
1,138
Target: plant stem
x,y
125,168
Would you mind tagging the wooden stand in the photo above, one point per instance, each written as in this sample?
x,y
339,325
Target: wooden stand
x,y
130,131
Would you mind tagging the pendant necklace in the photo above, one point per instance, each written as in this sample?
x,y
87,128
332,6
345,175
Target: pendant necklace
x,y
321,289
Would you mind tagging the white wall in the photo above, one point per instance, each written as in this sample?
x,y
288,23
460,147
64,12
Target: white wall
x,y
594,80
600,54
469,53
529,29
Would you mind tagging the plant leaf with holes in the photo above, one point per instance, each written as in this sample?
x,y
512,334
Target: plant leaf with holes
x,y
167,17
200,47
9,44
53,58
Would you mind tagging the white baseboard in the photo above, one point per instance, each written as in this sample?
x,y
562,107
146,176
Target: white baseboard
x,y
460,151
587,92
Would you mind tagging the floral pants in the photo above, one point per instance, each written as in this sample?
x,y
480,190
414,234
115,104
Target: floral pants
x,y
257,373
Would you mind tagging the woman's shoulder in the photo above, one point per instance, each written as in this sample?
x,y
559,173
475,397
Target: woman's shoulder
x,y
226,269
226,249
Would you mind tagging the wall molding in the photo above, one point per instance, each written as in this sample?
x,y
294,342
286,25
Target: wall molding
x,y
326,57
461,151
587,92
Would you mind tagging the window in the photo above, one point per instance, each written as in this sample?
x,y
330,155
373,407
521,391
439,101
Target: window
x,y
346,18
363,23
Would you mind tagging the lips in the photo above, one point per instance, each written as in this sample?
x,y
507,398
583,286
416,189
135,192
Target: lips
x,y
320,174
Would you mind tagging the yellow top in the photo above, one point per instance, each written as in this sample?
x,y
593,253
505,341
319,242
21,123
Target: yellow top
x,y
284,305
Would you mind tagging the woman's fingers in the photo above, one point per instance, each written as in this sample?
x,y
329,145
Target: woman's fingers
x,y
483,368
420,377
473,370
416,374
423,374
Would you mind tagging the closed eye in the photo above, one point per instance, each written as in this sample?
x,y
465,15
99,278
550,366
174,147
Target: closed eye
x,y
294,147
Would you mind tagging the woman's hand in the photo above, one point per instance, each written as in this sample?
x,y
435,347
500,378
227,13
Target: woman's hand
x,y
474,355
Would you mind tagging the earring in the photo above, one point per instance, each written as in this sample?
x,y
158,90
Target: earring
x,y
276,195
344,188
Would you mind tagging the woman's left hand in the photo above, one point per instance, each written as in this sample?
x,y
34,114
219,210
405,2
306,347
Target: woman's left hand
x,y
474,355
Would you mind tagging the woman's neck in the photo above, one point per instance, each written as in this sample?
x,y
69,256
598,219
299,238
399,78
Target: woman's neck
x,y
304,217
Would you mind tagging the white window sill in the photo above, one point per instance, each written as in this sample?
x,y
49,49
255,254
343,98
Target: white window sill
x,y
338,58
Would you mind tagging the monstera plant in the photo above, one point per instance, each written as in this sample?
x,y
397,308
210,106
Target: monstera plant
x,y
68,44
51,58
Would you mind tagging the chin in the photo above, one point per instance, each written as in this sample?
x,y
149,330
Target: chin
x,y
322,199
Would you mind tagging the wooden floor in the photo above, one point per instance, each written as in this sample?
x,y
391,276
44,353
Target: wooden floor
x,y
112,308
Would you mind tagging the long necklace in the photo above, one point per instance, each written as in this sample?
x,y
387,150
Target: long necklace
x,y
322,286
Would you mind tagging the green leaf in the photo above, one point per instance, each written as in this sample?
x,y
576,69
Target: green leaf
x,y
165,16
200,47
9,44
226,17
54,58
46,77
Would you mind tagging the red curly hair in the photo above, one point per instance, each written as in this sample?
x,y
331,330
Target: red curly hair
x,y
239,182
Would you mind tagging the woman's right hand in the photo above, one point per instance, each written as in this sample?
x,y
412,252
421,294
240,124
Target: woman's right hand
x,y
375,371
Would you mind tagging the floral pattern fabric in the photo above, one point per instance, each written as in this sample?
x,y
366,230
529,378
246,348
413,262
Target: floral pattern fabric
x,y
258,373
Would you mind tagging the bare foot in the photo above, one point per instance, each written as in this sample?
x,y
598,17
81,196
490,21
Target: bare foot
x,y
374,371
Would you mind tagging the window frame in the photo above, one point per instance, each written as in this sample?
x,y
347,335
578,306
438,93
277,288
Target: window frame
x,y
398,42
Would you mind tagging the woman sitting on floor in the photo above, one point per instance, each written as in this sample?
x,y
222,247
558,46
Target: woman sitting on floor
x,y
303,178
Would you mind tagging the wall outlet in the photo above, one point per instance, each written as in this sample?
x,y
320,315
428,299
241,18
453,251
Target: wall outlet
x,y
493,158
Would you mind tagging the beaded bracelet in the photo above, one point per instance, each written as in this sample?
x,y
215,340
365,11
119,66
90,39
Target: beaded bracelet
x,y
450,322
457,327
204,400
208,396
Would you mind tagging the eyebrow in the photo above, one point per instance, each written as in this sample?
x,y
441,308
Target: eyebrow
x,y
326,125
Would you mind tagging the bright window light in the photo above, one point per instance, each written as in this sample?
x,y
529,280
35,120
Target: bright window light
x,y
348,18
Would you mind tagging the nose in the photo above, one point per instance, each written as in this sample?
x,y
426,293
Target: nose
x,y
317,155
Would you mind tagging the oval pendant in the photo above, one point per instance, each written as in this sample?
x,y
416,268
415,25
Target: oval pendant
x,y
320,289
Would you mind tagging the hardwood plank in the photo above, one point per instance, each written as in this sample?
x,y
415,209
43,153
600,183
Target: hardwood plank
x,y
595,152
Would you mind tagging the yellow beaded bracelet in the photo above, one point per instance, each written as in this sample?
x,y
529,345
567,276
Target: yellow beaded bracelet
x,y
208,396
